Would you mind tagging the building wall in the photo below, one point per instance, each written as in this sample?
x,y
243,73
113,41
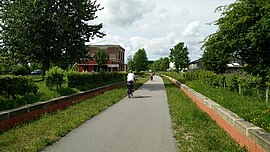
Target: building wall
x,y
116,58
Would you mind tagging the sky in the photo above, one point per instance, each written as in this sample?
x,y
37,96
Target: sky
x,y
157,25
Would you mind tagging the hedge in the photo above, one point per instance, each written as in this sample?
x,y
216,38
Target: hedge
x,y
12,86
242,84
84,81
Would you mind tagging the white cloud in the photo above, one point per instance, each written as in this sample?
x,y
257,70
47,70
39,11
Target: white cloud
x,y
127,12
158,25
192,29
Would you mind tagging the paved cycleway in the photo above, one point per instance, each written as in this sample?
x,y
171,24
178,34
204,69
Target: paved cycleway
x,y
138,124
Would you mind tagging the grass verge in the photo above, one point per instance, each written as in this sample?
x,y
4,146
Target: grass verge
x,y
194,129
44,131
254,111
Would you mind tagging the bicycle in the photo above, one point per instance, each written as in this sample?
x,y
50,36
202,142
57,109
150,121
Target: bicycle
x,y
130,89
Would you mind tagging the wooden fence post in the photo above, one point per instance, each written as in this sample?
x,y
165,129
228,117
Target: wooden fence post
x,y
266,94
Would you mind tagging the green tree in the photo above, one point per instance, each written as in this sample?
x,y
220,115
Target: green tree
x,y
165,63
140,60
244,33
130,63
155,66
162,64
215,57
47,32
179,56
101,57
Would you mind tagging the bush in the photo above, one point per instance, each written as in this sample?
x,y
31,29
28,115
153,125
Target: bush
x,y
84,81
12,86
20,70
243,84
54,78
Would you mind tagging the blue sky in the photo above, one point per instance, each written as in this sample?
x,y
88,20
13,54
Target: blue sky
x,y
158,25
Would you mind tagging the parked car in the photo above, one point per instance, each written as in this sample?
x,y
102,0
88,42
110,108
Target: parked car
x,y
36,72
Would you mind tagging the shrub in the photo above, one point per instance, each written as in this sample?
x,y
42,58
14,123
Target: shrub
x,y
12,86
20,70
84,81
54,77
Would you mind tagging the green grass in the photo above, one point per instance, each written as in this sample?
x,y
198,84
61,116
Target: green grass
x,y
44,131
194,129
247,107
46,94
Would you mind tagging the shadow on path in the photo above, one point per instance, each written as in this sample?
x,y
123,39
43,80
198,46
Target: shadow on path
x,y
152,87
138,96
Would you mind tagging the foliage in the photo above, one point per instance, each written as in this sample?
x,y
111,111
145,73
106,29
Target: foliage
x,y
243,33
130,63
47,31
161,64
14,86
54,77
179,56
5,68
84,81
215,58
20,70
101,57
247,85
140,60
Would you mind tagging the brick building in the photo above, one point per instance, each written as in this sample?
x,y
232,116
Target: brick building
x,y
116,59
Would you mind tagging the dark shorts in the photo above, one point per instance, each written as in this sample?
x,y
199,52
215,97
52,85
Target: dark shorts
x,y
130,84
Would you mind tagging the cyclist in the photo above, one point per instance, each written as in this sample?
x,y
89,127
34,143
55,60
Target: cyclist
x,y
130,80
152,76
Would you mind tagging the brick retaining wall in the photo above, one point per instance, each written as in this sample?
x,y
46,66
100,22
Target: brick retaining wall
x,y
11,118
254,138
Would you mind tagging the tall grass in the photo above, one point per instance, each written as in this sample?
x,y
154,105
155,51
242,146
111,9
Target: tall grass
x,y
247,107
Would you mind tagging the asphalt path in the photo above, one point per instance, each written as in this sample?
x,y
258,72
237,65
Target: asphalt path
x,y
138,124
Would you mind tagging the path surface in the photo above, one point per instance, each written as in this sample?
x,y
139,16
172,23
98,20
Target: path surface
x,y
139,124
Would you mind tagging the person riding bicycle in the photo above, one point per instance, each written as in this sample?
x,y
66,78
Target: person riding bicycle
x,y
152,76
131,79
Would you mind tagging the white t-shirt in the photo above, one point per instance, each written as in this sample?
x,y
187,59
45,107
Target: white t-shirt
x,y
130,77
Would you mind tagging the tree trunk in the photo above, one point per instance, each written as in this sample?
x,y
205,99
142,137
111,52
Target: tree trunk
x,y
45,67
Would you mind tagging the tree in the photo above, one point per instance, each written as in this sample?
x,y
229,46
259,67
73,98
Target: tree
x,y
130,63
179,56
47,32
162,64
215,57
165,62
140,60
101,57
243,30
